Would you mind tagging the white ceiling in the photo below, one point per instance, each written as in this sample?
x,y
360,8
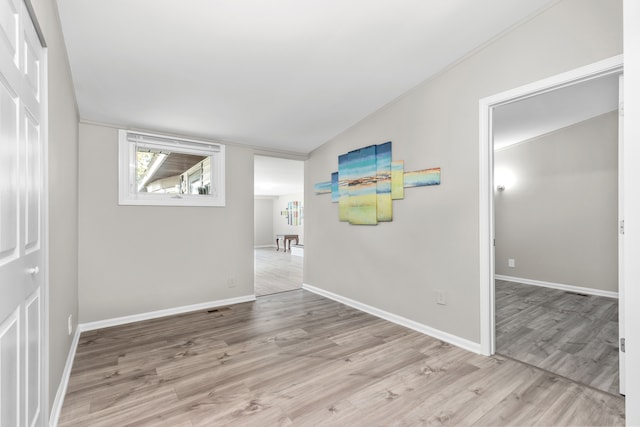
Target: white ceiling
x,y
285,75
531,117
275,177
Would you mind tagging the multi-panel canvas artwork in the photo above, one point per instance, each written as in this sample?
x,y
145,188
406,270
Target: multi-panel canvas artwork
x,y
383,182
368,181
322,187
359,170
335,194
422,178
397,179
343,188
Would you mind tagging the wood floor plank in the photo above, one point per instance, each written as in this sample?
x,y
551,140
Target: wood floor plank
x,y
276,271
573,335
459,396
298,359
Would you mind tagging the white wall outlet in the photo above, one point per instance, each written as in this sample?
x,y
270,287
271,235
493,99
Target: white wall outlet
x,y
231,283
512,262
441,298
70,324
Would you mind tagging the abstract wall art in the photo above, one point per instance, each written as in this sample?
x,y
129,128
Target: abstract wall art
x,y
368,181
397,179
322,187
294,213
422,178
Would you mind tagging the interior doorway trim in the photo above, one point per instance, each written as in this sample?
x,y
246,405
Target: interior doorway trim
x,y
613,65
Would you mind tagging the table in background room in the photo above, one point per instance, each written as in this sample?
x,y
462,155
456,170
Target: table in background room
x,y
286,238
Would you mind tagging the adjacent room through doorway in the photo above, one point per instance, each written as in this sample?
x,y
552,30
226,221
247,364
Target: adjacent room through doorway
x,y
556,242
278,224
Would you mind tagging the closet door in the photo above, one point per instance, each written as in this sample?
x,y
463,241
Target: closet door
x,y
21,218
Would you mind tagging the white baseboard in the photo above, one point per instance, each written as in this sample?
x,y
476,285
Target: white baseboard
x,y
263,246
99,324
64,381
559,286
402,321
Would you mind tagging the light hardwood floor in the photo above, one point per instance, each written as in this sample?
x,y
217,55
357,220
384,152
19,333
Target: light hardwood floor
x,y
276,271
298,359
570,334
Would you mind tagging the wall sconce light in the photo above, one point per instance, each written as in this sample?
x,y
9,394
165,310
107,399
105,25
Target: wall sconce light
x,y
503,178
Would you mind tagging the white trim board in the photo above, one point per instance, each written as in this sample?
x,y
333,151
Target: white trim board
x,y
56,407
99,324
399,320
263,246
559,286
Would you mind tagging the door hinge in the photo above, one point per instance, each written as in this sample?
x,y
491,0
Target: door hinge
x,y
622,227
622,349
494,242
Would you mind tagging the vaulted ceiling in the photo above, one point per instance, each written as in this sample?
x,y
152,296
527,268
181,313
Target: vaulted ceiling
x,y
541,114
286,75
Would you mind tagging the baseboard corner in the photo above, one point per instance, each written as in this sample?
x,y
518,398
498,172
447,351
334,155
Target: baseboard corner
x,y
463,343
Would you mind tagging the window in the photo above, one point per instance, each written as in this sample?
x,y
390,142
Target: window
x,y
167,171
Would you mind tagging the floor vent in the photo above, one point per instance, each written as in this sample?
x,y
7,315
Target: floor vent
x,y
578,293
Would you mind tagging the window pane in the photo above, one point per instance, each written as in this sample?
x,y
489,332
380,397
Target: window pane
x,y
171,172
156,170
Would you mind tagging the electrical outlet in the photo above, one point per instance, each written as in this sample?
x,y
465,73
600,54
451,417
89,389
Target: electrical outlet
x,y
70,323
512,262
231,283
441,298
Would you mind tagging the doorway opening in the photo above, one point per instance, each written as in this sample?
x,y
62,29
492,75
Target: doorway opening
x,y
524,193
278,224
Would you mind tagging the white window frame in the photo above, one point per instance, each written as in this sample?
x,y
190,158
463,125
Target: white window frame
x,y
128,142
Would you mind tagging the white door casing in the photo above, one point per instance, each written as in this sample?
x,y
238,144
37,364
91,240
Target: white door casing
x,y
606,67
621,294
22,246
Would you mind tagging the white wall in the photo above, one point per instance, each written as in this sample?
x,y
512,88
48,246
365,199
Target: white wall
x,y
280,225
432,243
137,259
559,218
263,221
63,192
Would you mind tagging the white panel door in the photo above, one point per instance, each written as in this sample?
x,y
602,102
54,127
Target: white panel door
x,y
21,219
